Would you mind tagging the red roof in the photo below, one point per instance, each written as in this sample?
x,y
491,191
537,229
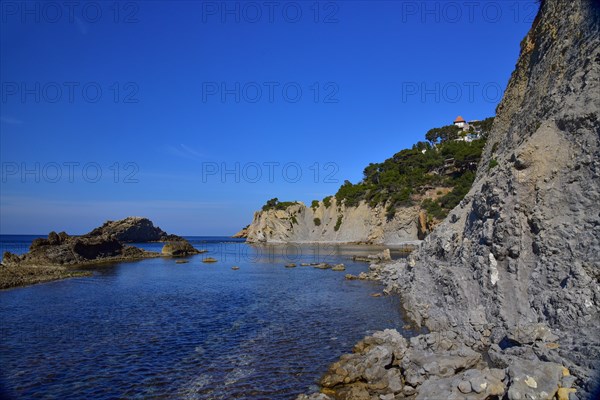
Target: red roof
x,y
459,119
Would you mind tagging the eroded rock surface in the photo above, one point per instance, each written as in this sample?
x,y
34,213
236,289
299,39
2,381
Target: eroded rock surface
x,y
437,365
523,247
49,258
133,230
514,271
337,223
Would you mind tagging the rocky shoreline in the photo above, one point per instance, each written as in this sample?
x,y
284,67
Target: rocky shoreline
x,y
508,284
454,363
61,256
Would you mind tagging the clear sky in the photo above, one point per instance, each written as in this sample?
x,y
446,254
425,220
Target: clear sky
x,y
194,113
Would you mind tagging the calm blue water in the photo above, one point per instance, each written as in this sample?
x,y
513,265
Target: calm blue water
x,y
157,329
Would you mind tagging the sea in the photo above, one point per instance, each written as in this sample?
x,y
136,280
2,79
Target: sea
x,y
157,329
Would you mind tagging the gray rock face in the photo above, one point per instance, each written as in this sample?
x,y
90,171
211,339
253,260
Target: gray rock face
x,y
533,380
514,270
435,366
523,247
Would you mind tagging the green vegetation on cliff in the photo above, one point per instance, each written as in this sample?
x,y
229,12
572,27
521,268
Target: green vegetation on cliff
x,y
443,161
448,159
275,204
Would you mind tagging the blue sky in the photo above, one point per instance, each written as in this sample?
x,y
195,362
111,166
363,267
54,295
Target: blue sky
x,y
195,113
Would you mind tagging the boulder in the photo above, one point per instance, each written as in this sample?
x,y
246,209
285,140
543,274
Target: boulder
x,y
528,334
472,384
533,379
180,248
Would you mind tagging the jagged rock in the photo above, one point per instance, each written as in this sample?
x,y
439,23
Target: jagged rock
x,y
521,248
73,250
132,230
529,334
91,249
51,257
523,243
102,243
339,267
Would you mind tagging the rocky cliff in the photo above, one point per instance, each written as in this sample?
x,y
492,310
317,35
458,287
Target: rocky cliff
x,y
523,247
337,223
514,271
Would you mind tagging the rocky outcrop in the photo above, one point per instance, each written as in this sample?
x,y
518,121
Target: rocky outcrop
x,y
132,230
436,366
514,270
243,233
522,248
51,258
180,248
64,250
334,223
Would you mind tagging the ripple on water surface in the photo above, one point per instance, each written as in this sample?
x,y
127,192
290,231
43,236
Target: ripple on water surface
x,y
201,331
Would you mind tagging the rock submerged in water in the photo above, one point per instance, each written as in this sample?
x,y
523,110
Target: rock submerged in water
x,y
209,260
382,256
339,267
180,248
